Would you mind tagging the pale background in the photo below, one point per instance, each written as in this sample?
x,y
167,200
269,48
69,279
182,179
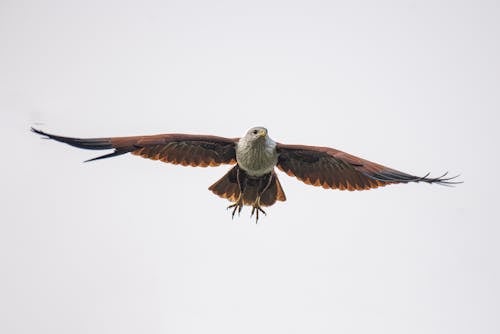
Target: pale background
x,y
128,245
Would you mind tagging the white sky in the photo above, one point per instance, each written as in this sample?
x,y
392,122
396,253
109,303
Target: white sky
x,y
128,245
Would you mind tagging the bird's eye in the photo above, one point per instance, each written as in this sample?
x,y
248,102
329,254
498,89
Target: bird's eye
x,y
255,132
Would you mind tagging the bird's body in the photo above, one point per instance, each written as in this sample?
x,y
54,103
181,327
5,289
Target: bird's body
x,y
256,153
253,180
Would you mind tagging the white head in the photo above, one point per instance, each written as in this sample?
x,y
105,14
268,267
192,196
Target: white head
x,y
256,133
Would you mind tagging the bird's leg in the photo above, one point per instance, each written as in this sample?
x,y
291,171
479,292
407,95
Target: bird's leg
x,y
256,205
238,205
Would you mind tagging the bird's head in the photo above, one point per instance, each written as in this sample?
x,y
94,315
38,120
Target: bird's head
x,y
257,133
258,138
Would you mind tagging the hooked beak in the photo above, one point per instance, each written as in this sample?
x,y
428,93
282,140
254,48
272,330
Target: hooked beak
x,y
262,132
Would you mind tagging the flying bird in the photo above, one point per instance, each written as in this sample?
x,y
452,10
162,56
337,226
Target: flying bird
x,y
253,181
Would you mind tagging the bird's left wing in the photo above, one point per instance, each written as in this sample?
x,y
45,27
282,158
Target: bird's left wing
x,y
331,168
183,149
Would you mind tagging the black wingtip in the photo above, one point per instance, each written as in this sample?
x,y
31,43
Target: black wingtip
x,y
399,177
40,132
112,154
85,143
443,180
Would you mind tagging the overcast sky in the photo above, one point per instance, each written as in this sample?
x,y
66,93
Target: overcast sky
x,y
129,245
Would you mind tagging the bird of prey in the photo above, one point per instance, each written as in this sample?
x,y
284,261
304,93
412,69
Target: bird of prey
x,y
252,181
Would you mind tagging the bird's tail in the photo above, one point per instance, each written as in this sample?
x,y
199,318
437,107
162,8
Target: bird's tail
x,y
227,187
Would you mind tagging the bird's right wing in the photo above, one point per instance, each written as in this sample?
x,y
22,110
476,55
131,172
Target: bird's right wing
x,y
183,149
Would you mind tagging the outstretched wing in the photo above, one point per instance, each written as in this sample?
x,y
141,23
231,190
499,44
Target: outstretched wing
x,y
183,149
330,168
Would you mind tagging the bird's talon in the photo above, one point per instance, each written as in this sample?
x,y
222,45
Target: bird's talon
x,y
256,209
237,206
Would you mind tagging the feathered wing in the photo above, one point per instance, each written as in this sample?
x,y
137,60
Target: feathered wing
x,y
331,168
183,149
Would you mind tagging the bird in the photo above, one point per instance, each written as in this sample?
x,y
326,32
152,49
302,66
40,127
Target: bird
x,y
252,180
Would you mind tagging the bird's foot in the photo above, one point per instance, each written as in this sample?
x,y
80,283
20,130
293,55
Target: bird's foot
x,y
256,208
237,206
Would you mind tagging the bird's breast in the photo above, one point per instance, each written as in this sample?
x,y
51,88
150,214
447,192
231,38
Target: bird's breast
x,y
257,160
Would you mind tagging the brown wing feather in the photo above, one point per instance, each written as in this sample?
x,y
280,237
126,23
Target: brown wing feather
x,y
184,149
331,168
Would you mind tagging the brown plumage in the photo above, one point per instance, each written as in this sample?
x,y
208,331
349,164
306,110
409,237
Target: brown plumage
x,y
253,181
